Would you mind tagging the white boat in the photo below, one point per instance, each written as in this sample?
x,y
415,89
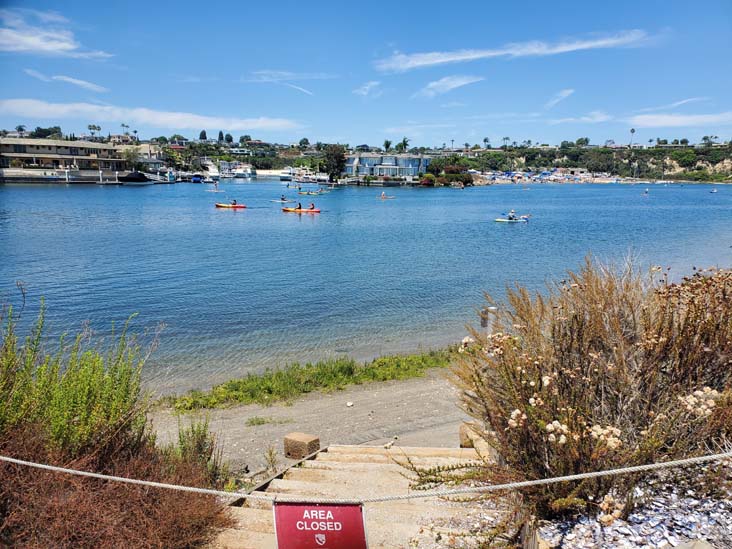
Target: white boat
x,y
244,172
213,171
286,174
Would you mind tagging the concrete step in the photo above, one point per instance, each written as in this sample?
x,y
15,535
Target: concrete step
x,y
253,519
412,451
383,472
259,503
354,489
234,538
394,459
355,473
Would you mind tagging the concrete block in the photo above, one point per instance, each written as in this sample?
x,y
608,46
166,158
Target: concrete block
x,y
466,434
299,445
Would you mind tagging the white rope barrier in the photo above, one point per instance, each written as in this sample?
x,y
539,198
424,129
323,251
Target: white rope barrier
x,y
413,495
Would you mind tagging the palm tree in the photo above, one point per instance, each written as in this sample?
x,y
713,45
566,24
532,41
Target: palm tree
x,y
92,128
135,132
404,144
505,142
467,145
650,142
486,142
125,127
20,129
387,145
632,131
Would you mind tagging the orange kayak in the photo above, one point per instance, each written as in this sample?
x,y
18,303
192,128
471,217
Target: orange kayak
x,y
302,211
231,206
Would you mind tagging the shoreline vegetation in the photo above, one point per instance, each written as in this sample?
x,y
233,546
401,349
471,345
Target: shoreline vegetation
x,y
295,380
82,407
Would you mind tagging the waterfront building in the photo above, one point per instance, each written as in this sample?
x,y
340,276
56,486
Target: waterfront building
x,y
148,151
17,152
386,165
122,139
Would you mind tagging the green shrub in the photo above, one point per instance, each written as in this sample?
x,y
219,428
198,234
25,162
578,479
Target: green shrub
x,y
81,395
606,370
82,408
297,379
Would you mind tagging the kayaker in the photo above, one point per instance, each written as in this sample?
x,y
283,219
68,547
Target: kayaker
x,y
283,199
216,185
383,195
312,206
299,206
233,202
512,215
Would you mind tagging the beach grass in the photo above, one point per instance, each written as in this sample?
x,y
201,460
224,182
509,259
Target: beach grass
x,y
296,379
255,421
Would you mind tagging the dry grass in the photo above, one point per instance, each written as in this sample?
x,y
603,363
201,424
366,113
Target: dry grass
x,y
607,369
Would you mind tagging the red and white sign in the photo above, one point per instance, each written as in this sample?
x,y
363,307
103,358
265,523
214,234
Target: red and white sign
x,y
316,526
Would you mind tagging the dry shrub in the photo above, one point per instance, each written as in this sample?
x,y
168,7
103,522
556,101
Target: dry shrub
x,y
45,509
607,369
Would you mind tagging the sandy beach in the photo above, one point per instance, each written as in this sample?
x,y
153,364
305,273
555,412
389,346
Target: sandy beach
x,y
420,412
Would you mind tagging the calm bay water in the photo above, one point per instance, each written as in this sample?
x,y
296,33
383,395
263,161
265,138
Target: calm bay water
x,y
242,290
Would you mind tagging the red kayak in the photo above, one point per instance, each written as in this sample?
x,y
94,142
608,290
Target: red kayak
x,y
231,206
301,211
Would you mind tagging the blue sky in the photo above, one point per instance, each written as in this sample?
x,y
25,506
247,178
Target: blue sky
x,y
364,72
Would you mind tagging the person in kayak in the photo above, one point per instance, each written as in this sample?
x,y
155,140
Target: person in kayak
x,y
233,202
312,206
283,199
299,206
512,215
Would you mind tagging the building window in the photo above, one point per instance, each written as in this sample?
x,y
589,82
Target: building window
x,y
19,148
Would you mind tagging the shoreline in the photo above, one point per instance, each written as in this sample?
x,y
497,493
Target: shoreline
x,y
421,411
295,380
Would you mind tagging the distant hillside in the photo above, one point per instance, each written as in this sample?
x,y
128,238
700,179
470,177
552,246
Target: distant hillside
x,y
707,163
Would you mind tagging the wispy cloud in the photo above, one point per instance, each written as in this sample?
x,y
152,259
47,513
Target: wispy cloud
x,y
446,84
298,88
593,117
91,86
68,79
285,78
559,96
37,75
674,120
369,89
32,108
41,32
674,105
400,62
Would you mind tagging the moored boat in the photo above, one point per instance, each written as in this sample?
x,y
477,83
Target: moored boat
x,y
135,179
